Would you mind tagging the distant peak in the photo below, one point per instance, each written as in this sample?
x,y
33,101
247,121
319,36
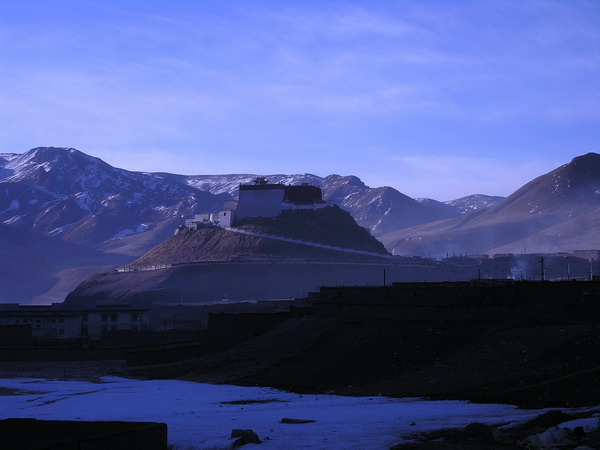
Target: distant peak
x,y
591,156
53,149
49,153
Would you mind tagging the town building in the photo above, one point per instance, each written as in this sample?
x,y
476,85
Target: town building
x,y
60,321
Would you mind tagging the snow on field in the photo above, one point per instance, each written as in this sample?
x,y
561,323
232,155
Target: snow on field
x,y
198,418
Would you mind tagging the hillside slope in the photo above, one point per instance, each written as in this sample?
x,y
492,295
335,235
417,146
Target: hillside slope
x,y
330,226
558,211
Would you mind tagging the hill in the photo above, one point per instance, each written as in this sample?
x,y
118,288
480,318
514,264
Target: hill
x,y
556,212
208,263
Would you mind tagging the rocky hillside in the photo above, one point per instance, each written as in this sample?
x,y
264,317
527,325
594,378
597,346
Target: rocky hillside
x,y
558,211
69,195
330,226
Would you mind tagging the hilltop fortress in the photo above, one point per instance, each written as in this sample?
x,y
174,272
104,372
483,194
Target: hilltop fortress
x,y
262,199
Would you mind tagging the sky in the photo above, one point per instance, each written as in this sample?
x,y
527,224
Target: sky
x,y
435,98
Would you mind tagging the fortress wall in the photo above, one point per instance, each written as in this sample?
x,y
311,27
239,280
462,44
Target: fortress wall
x,y
82,435
259,201
456,313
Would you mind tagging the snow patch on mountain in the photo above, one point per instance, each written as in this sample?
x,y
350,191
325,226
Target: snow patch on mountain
x,y
142,228
12,220
14,204
474,202
59,230
84,200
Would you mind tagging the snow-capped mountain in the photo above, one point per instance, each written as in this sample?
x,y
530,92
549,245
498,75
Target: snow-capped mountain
x,y
81,199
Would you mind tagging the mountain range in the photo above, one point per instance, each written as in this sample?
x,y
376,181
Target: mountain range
x,y
556,212
65,214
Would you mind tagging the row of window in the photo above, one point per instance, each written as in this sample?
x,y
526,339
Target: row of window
x,y
114,317
105,327
39,321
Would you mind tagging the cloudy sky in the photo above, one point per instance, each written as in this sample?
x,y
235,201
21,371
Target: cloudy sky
x,y
436,98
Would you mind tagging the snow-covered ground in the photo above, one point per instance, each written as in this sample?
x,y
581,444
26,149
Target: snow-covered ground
x,y
197,418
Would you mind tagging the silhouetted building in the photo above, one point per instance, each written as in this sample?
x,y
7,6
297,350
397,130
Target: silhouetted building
x,y
60,321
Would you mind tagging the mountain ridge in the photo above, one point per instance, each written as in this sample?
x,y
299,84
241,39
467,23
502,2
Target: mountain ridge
x,y
525,219
67,196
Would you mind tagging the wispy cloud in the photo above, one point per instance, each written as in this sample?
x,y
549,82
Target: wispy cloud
x,y
232,83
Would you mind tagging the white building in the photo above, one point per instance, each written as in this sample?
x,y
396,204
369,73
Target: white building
x,y
262,200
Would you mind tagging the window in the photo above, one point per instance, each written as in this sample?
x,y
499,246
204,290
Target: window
x,y
134,317
114,328
84,330
84,317
104,317
52,320
61,332
113,317
61,320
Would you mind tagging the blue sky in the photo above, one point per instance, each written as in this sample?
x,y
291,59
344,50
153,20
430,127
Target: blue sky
x,y
436,98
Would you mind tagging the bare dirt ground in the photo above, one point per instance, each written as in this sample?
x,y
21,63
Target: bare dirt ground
x,y
528,364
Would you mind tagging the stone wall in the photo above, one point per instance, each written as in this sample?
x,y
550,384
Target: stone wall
x,y
463,301
82,435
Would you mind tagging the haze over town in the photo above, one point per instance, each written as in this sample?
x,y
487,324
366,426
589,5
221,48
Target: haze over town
x,y
437,99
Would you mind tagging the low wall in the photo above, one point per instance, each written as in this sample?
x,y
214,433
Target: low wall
x,y
21,434
456,313
462,301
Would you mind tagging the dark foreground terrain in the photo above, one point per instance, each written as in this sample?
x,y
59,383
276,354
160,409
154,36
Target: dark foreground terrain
x,y
529,364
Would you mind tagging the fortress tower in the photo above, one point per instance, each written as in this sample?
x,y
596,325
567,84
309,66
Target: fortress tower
x,y
262,199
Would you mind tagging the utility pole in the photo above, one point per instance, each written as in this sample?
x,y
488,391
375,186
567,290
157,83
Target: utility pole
x,y
542,261
384,280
